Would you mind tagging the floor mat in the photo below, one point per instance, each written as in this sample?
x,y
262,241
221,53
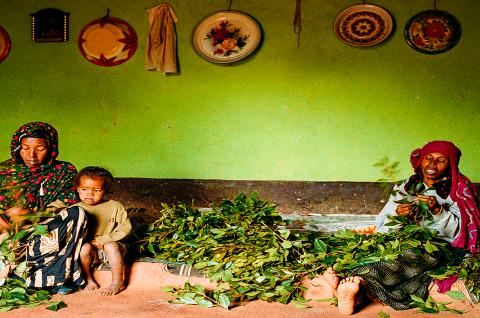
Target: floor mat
x,y
176,268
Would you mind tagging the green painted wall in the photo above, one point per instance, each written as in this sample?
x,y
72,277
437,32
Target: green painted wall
x,y
324,111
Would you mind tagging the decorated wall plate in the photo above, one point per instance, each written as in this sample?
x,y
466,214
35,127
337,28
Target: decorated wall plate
x,y
432,31
363,25
4,44
107,41
226,37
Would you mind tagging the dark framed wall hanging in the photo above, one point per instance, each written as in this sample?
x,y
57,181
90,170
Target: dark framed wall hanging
x,y
50,25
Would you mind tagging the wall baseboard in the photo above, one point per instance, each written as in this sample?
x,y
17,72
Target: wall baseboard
x,y
302,197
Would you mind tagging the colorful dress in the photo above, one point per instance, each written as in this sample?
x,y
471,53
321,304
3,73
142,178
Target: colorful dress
x,y
52,259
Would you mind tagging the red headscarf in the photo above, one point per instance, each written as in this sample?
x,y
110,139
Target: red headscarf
x,y
463,192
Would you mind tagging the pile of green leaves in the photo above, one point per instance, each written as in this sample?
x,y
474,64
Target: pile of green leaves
x,y
242,243
13,292
246,247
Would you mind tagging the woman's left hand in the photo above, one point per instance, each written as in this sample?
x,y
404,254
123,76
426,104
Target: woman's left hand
x,y
4,224
17,215
431,203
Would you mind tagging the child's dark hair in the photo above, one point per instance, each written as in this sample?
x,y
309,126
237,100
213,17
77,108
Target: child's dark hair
x,y
96,172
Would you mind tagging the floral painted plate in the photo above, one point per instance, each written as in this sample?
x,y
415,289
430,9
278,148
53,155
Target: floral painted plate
x,y
226,37
4,44
363,25
107,41
432,31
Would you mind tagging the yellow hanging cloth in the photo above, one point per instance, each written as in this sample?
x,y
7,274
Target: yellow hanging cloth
x,y
162,39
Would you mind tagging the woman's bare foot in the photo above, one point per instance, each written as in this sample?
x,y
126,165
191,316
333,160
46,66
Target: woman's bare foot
x,y
332,279
114,288
91,285
348,294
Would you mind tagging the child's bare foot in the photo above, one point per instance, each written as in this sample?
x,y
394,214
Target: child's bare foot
x,y
91,285
348,294
114,288
332,279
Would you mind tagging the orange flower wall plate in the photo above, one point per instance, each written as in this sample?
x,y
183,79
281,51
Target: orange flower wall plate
x,y
363,25
226,37
107,41
4,44
432,31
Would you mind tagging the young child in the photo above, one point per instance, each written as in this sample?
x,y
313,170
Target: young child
x,y
108,223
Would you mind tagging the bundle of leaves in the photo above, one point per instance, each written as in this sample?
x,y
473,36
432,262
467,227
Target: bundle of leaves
x,y
390,172
420,209
247,248
13,292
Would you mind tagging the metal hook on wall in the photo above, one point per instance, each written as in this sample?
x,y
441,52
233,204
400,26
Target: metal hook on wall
x,y
297,21
108,14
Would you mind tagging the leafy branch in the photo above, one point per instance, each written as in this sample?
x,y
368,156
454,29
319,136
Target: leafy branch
x,y
388,169
431,306
13,292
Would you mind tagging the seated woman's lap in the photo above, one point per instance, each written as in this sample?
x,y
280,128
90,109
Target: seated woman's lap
x,y
52,259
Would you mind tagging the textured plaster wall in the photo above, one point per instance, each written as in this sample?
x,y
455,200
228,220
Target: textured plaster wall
x,y
323,111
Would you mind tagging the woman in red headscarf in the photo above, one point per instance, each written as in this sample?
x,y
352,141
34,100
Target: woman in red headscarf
x,y
437,197
33,182
449,195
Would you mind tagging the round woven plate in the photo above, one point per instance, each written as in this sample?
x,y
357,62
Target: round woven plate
x,y
432,31
107,41
226,37
4,44
363,25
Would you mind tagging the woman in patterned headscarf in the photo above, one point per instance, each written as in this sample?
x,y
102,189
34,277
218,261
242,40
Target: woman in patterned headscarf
x,y
450,209
34,181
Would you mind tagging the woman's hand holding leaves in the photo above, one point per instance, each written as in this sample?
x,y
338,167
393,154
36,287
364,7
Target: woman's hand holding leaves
x,y
431,202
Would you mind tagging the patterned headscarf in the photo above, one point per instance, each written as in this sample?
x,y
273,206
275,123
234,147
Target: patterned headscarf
x,y
35,188
462,191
